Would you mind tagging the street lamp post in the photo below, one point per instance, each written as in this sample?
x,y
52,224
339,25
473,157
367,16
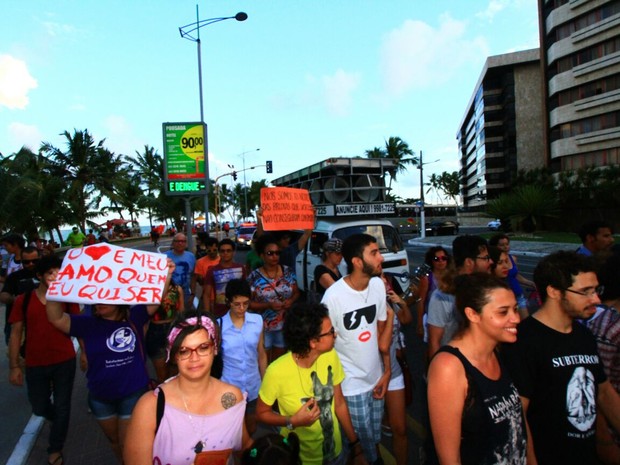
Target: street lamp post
x,y
422,218
187,32
245,187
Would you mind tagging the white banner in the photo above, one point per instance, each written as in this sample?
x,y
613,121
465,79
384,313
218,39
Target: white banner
x,y
365,209
108,274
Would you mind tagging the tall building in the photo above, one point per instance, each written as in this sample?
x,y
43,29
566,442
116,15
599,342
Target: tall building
x,y
580,43
502,129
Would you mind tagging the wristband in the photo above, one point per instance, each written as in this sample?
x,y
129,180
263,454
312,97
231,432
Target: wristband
x,y
354,443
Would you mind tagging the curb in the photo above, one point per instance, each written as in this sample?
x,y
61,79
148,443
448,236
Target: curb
x,y
523,253
26,441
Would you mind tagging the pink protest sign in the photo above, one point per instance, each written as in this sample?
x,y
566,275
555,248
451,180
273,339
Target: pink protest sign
x,y
106,273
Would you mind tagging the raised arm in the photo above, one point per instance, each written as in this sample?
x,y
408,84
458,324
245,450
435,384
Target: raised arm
x,y
151,309
57,316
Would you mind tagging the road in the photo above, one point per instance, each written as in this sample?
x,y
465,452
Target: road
x,y
86,444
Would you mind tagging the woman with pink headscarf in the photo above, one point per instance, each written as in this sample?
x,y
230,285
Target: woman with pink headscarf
x,y
192,416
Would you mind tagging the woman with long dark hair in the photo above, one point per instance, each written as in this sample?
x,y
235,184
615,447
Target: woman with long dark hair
x,y
475,409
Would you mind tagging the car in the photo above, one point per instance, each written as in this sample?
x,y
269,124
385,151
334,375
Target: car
x,y
494,225
244,236
440,228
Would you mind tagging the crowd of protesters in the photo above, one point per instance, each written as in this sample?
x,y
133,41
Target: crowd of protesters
x,y
507,383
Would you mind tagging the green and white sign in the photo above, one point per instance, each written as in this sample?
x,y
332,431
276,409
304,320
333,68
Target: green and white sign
x,y
185,150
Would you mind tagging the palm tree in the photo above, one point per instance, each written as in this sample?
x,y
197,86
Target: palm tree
x,y
149,165
447,183
86,168
398,150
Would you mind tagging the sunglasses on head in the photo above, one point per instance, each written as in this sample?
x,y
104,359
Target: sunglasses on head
x,y
441,258
273,252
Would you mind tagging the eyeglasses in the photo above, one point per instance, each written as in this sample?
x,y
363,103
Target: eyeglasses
x,y
588,292
331,332
245,304
441,258
29,261
272,253
202,350
486,258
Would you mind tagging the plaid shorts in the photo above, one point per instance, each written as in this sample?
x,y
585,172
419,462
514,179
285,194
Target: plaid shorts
x,y
366,413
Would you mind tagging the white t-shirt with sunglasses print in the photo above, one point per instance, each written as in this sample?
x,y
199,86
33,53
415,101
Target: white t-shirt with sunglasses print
x,y
354,315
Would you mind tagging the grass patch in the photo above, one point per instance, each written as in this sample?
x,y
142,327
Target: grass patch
x,y
541,236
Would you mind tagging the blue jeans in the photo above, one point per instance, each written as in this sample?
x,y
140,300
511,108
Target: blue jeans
x,y
42,382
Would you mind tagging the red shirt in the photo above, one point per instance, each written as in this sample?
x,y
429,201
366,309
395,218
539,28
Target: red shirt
x,y
45,345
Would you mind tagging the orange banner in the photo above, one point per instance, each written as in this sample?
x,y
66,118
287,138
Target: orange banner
x,y
286,208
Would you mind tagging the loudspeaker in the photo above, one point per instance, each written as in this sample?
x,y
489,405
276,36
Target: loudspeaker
x,y
367,188
336,190
315,192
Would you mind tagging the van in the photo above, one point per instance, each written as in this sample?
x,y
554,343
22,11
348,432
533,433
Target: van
x,y
388,239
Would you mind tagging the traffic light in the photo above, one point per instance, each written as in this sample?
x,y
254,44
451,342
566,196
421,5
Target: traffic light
x,y
269,166
234,175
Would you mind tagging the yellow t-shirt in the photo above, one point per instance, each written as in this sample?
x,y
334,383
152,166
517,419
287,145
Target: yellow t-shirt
x,y
292,386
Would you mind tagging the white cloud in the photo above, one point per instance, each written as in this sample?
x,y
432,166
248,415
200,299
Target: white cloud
x,y
15,82
55,29
416,55
330,92
119,136
21,135
338,90
492,9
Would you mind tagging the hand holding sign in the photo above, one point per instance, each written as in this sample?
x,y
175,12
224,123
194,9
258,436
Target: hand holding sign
x,y
105,273
286,208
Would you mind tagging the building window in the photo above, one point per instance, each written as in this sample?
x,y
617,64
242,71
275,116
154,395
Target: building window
x,y
586,125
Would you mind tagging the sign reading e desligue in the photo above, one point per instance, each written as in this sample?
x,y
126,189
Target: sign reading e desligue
x,y
185,151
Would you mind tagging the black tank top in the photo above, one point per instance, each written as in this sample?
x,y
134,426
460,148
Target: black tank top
x,y
492,426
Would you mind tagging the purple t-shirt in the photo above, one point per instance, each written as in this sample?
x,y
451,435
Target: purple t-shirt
x,y
115,361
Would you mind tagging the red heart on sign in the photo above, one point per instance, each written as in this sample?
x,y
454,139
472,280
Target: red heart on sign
x,y
96,251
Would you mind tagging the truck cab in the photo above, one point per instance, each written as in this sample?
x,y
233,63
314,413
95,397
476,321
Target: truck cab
x,y
349,197
388,240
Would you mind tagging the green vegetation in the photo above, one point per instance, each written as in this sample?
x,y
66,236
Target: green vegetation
x,y
80,182
538,199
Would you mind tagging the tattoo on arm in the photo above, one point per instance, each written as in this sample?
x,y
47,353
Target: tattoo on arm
x,y
228,400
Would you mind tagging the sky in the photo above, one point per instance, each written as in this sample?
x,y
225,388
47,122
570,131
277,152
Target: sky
x,y
302,81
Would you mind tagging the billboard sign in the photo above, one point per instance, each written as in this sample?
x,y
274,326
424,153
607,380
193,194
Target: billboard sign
x,y
185,150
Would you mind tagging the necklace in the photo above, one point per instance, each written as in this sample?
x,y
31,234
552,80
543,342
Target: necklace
x,y
301,383
200,445
269,275
361,293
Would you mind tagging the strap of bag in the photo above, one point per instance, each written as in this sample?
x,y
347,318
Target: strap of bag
x,y
161,404
25,304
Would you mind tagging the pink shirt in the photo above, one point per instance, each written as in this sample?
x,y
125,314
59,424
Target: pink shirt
x,y
177,435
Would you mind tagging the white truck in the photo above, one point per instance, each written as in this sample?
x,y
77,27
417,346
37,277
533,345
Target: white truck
x,y
349,196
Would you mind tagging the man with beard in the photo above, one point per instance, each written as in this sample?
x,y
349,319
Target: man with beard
x,y
556,366
471,255
357,308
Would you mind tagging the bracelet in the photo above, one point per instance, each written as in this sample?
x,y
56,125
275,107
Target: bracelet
x,y
354,443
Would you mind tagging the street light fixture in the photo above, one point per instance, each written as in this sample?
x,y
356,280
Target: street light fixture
x,y
187,32
422,218
245,187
